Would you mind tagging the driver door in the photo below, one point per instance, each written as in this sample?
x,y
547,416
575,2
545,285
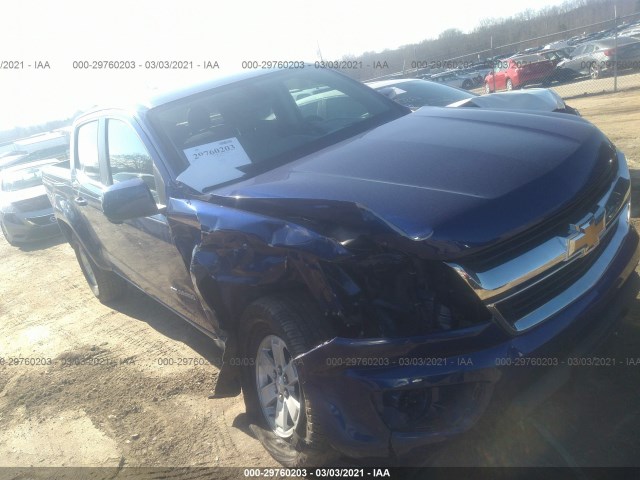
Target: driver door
x,y
142,248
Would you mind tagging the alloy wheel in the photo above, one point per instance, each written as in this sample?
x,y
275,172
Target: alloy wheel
x,y
277,386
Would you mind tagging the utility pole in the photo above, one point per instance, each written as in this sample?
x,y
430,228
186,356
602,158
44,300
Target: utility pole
x,y
493,66
615,48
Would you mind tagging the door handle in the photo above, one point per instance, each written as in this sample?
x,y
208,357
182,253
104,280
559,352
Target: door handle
x,y
80,201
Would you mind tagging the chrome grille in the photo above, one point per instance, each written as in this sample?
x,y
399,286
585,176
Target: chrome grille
x,y
523,303
526,283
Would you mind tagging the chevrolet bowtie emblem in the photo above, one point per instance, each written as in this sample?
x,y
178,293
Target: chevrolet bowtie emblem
x,y
586,236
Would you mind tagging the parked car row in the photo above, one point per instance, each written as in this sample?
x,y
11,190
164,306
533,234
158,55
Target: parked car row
x,y
589,55
593,58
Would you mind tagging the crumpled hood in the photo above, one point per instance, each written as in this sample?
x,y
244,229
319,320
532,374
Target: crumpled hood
x,y
458,179
541,99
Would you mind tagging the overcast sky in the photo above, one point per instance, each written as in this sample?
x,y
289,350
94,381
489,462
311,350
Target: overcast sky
x,y
229,32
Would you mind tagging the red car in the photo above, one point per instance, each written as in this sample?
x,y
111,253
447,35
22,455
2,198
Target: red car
x,y
516,72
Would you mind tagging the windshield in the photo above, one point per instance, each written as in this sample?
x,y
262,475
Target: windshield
x,y
232,132
418,93
13,180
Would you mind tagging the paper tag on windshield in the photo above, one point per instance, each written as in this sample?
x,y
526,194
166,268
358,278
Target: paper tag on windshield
x,y
229,151
214,163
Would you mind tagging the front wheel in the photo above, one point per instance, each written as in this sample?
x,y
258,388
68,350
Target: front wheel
x,y
509,84
105,285
278,329
594,71
487,88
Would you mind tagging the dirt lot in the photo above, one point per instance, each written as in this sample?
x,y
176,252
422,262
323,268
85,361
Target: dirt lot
x,y
588,86
107,396
115,392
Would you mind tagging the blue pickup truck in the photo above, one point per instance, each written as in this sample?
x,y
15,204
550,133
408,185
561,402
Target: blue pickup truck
x,y
374,275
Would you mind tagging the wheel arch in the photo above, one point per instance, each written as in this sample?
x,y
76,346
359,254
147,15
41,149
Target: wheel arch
x,y
226,294
227,288
243,257
71,235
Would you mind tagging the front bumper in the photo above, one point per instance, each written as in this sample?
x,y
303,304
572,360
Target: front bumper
x,y
391,397
31,226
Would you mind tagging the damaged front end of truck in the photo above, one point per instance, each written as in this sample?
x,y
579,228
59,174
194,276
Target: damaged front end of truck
x,y
416,354
389,300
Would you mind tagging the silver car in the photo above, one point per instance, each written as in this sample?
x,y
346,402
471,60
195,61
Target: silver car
x,y
597,57
25,211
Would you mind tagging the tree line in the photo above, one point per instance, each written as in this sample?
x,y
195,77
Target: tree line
x,y
499,36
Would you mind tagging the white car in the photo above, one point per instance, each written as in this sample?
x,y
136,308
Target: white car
x,y
415,93
454,79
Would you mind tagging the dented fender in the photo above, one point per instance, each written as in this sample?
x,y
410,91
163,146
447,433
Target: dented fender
x,y
236,256
247,253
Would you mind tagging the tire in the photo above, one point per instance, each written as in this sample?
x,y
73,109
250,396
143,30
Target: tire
x,y
594,71
290,325
105,285
467,84
7,237
487,88
509,84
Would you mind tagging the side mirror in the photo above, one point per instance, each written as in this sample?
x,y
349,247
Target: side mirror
x,y
126,200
